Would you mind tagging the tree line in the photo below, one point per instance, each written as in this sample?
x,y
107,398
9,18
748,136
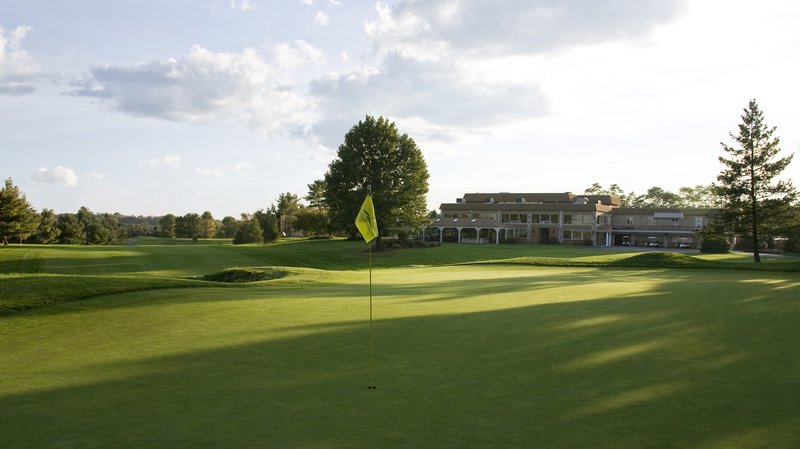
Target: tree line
x,y
700,196
754,204
21,223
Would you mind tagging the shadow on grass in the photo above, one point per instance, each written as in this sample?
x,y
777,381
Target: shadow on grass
x,y
676,367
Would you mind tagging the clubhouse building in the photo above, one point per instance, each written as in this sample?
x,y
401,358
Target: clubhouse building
x,y
541,218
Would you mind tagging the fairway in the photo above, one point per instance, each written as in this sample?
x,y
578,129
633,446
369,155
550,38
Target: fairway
x,y
474,356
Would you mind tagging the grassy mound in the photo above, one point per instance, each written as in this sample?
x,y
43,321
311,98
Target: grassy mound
x,y
281,275
246,274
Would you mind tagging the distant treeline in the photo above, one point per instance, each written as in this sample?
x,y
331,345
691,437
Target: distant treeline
x,y
21,223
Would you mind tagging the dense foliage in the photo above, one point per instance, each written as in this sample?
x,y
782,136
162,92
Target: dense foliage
x,y
374,154
18,219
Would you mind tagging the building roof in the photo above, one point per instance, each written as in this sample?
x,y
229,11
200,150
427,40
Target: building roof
x,y
537,198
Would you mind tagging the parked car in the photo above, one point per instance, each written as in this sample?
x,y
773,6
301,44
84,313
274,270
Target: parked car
x,y
652,242
682,245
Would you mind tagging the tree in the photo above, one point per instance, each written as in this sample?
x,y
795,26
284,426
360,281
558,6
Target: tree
x,y
249,231
268,222
48,231
312,221
316,194
756,204
288,205
228,229
625,199
188,226
70,230
658,197
700,196
375,154
208,226
17,217
166,226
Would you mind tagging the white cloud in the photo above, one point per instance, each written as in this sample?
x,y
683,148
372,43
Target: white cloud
x,y
93,175
321,19
224,171
211,171
430,59
60,175
243,5
17,67
240,166
514,26
434,96
206,86
164,161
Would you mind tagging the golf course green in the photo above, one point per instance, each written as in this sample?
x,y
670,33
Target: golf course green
x,y
172,343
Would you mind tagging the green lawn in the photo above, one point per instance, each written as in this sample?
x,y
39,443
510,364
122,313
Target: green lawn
x,y
483,355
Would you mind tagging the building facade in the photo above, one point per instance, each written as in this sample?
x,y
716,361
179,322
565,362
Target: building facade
x,y
541,218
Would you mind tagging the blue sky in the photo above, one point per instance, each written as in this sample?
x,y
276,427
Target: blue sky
x,y
159,106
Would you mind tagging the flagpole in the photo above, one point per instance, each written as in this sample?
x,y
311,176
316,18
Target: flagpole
x,y
368,227
371,341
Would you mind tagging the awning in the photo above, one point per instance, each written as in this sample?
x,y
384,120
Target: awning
x,y
668,215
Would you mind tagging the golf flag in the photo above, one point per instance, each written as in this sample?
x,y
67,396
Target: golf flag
x,y
365,221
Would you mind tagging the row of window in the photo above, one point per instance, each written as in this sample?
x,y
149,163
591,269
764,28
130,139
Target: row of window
x,y
577,219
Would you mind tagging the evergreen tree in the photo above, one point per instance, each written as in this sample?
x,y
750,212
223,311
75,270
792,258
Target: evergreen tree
x,y
249,231
47,231
70,230
756,205
268,222
316,194
17,217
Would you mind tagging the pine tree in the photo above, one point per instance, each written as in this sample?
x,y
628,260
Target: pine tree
x,y
755,203
47,231
17,217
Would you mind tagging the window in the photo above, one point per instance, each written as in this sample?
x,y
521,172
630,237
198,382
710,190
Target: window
x,y
567,219
698,222
676,222
576,234
629,220
651,220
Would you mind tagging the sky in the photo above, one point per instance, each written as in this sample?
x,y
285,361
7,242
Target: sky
x,y
177,106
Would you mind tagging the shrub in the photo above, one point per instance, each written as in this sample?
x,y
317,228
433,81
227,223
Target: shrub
x,y
715,245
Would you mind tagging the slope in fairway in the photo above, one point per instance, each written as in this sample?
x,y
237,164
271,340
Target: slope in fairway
x,y
465,357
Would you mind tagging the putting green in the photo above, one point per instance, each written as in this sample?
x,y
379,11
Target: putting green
x,y
465,357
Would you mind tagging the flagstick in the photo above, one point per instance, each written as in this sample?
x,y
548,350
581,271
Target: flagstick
x,y
371,344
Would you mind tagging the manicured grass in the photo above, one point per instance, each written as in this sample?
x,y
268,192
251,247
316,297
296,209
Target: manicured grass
x,y
465,357
206,344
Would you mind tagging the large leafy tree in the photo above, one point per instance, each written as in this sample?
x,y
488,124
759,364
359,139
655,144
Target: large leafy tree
x,y
17,217
166,226
208,226
375,154
756,204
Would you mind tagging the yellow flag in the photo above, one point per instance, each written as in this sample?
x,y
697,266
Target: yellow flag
x,y
365,221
